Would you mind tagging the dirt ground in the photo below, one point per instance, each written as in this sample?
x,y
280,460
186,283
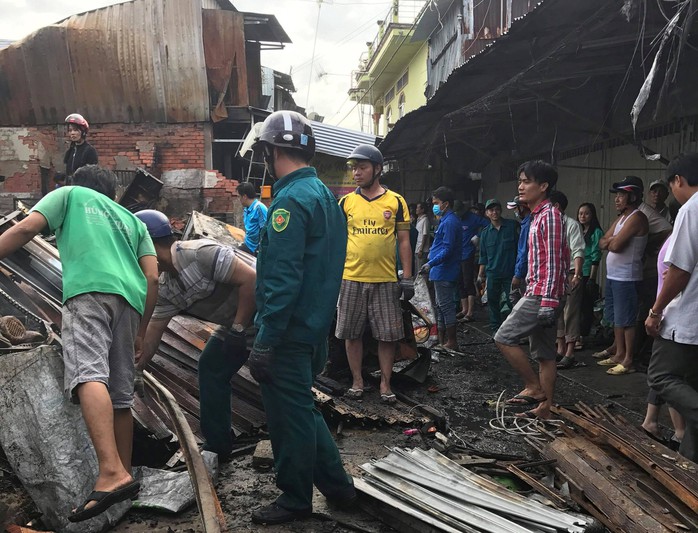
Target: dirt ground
x,y
465,387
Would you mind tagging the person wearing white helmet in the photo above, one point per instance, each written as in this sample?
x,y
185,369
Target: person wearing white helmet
x,y
299,271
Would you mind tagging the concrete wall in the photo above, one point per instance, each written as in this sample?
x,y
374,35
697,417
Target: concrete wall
x,y
413,91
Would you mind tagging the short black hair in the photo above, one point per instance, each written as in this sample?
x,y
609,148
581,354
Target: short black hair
x,y
685,165
445,194
299,156
247,189
557,197
540,172
97,178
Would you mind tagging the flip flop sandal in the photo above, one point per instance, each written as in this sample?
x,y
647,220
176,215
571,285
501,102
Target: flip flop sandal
x,y
524,400
104,501
620,370
566,362
607,362
354,394
388,399
603,354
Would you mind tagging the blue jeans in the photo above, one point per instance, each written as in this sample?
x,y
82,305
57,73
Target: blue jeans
x,y
445,305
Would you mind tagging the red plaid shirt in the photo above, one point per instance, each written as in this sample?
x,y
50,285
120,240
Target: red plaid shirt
x,y
548,255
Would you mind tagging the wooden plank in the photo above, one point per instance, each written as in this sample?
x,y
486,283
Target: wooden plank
x,y
149,420
661,469
625,481
557,500
601,492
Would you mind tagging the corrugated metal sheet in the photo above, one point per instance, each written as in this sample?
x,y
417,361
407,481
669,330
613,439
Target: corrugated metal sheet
x,y
137,61
226,62
461,29
339,142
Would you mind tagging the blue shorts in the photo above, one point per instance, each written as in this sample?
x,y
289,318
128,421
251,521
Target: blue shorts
x,y
621,303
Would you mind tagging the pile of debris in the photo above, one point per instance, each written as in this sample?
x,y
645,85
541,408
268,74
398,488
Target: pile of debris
x,y
425,486
621,476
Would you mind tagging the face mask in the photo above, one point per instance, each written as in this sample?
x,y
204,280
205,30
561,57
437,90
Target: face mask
x,y
436,210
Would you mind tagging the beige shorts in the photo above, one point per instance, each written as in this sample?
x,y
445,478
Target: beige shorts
x,y
377,303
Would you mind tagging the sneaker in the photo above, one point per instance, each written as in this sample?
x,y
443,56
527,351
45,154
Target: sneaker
x,y
275,514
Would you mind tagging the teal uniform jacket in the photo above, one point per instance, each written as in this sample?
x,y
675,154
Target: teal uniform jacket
x,y
300,263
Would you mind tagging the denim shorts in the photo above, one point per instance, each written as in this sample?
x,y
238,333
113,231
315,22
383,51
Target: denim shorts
x,y
621,304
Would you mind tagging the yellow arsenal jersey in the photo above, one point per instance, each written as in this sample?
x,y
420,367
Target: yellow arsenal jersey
x,y
372,227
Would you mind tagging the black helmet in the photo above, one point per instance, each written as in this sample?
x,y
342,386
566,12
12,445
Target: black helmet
x,y
157,223
629,184
367,152
287,129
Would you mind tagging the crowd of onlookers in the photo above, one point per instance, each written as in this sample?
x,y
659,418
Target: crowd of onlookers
x,y
641,249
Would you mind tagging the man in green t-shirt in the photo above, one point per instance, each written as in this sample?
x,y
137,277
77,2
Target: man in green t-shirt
x,y
110,286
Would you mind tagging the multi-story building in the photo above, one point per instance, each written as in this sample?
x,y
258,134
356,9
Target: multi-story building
x,y
391,77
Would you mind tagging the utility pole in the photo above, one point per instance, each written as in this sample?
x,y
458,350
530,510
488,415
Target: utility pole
x,y
312,58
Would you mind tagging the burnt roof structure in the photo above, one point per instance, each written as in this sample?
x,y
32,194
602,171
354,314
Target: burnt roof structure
x,y
566,75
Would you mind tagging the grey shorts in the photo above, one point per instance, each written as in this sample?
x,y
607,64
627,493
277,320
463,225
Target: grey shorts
x,y
98,333
379,303
523,322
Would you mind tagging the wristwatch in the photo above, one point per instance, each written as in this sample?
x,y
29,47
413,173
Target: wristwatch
x,y
237,328
654,315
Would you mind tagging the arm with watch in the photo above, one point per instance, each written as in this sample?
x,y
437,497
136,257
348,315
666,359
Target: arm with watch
x,y
675,282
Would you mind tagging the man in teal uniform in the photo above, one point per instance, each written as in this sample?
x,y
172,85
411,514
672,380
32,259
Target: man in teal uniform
x,y
498,246
110,285
299,272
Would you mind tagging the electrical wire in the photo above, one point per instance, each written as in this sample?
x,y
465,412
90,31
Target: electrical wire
x,y
533,428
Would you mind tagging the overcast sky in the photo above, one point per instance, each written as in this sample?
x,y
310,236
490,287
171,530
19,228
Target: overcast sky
x,y
344,28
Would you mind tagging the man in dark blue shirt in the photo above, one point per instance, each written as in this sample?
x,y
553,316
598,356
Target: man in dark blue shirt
x,y
444,265
471,223
523,215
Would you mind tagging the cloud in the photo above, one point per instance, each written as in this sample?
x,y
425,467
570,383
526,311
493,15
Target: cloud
x,y
344,27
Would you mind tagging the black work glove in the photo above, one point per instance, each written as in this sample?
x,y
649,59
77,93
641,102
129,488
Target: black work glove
x,y
547,317
407,286
514,296
426,267
259,363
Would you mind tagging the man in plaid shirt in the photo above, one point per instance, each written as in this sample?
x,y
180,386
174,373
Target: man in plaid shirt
x,y
535,315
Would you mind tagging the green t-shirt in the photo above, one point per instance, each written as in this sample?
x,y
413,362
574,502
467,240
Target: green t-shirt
x,y
100,244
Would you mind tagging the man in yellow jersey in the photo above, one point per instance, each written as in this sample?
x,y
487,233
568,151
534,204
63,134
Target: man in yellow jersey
x,y
377,218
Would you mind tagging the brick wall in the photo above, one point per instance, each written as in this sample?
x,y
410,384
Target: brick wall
x,y
155,147
158,148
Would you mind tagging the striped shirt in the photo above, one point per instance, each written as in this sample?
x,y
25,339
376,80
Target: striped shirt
x,y
548,255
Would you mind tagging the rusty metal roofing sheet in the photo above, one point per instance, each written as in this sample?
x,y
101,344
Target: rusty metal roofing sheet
x,y
137,61
264,28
